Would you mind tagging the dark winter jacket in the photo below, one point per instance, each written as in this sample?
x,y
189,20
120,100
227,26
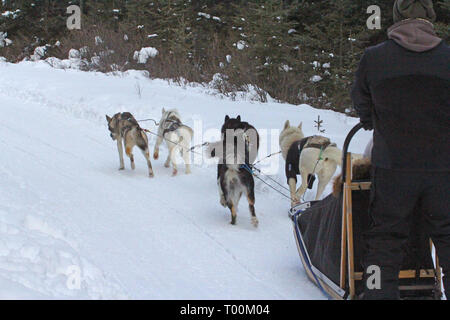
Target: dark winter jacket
x,y
402,91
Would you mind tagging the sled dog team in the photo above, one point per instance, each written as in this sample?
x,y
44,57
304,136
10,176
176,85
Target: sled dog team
x,y
237,152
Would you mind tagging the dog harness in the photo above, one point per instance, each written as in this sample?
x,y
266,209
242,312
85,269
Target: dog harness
x,y
175,123
130,122
293,155
293,159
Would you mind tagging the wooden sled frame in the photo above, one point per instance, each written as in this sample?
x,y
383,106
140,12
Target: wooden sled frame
x,y
348,276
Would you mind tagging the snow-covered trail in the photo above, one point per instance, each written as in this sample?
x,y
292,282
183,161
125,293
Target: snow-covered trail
x,y
63,203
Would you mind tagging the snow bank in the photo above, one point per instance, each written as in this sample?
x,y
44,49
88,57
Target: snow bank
x,y
74,54
241,44
11,14
37,257
205,15
4,41
39,53
68,210
316,78
144,54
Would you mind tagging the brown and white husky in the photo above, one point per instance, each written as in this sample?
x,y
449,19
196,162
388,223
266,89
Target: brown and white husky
x,y
123,127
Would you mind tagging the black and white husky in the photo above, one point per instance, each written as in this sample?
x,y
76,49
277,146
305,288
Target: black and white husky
x,y
123,127
236,151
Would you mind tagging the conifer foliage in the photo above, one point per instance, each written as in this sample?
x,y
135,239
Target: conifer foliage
x,y
296,51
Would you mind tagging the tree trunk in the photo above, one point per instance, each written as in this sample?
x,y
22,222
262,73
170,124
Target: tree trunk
x,y
341,35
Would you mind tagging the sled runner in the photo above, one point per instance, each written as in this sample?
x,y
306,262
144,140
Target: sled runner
x,y
329,236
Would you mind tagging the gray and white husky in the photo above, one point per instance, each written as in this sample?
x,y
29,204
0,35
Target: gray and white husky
x,y
316,156
123,127
178,139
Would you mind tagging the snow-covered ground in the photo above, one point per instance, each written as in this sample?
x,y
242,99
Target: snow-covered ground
x,y
66,210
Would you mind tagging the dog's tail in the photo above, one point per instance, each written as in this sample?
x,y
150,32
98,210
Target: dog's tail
x,y
333,153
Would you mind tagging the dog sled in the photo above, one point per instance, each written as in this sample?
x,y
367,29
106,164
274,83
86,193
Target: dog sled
x,y
329,236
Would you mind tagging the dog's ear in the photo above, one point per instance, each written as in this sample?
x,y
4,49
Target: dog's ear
x,y
108,118
163,111
300,125
238,118
287,124
227,118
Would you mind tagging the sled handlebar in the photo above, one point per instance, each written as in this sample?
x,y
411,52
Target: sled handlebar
x,y
348,139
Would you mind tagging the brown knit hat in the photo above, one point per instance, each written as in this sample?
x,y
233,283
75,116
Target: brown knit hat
x,y
412,9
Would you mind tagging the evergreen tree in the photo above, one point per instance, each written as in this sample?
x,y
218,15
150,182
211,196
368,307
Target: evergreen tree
x,y
299,51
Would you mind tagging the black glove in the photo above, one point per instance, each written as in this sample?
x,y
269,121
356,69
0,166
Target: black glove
x,y
367,125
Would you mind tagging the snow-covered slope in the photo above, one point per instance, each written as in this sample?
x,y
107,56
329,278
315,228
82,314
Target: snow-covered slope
x,y
66,209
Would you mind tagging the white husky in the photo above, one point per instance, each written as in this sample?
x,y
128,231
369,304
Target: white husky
x,y
178,139
307,158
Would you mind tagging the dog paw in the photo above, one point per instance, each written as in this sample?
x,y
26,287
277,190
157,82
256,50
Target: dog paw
x,y
151,174
166,165
255,222
294,203
121,168
155,156
174,172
